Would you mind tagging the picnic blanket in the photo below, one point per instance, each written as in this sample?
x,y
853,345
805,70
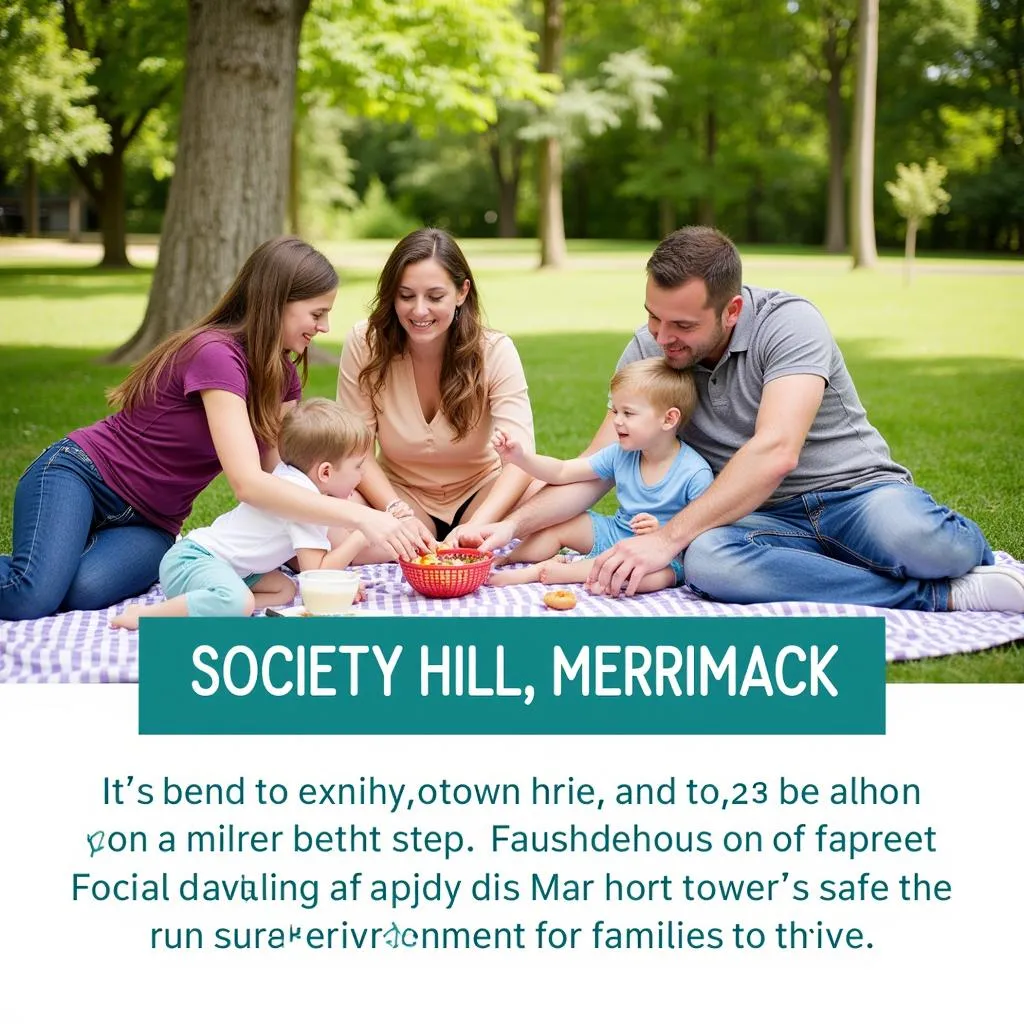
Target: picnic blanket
x,y
79,647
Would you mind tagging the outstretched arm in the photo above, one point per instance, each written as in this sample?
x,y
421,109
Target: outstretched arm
x,y
543,467
239,458
550,505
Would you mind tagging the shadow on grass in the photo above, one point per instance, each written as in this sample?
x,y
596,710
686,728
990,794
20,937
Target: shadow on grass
x,y
47,281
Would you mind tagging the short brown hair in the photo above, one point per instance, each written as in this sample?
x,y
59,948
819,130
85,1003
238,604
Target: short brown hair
x,y
698,253
319,430
662,385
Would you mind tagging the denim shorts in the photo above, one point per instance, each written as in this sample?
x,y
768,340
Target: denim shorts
x,y
608,531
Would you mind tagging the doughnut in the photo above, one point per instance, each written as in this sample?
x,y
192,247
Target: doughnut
x,y
560,600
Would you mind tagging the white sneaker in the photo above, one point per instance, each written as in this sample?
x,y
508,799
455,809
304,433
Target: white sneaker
x,y
988,588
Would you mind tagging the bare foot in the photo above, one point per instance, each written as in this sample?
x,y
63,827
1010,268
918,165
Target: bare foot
x,y
563,570
528,574
128,619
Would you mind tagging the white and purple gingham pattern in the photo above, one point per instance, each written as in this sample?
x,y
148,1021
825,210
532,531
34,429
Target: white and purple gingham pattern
x,y
79,647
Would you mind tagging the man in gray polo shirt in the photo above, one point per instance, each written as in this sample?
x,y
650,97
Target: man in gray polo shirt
x,y
807,502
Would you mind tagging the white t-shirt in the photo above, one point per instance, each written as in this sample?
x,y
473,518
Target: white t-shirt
x,y
250,540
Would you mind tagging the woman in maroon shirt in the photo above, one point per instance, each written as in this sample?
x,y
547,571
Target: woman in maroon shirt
x,y
95,513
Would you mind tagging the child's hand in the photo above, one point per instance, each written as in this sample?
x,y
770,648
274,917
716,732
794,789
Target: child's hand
x,y
644,522
360,594
507,449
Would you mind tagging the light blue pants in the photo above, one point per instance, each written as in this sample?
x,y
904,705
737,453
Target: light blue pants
x,y
887,545
211,586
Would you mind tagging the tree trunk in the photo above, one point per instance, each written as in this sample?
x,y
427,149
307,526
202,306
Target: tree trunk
x,y
113,224
507,161
667,219
295,184
909,248
862,219
230,187
551,222
835,230
508,206
76,202
30,194
706,202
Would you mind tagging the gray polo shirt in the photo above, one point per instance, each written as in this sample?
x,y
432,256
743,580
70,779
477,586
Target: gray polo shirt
x,y
777,335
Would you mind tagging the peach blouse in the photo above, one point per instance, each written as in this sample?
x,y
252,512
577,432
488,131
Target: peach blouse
x,y
424,459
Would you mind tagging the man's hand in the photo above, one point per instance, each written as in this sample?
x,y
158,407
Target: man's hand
x,y
644,522
485,536
508,449
626,564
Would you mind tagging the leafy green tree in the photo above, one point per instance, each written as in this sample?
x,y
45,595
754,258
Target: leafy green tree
x,y
917,194
438,65
423,61
629,84
135,49
991,198
230,185
46,113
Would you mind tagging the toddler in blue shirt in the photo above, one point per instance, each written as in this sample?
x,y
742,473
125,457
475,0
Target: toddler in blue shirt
x,y
655,475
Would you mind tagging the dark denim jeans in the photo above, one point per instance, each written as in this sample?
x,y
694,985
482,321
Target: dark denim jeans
x,y
77,544
887,545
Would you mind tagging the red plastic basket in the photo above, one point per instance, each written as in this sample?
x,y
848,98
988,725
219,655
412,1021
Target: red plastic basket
x,y
449,580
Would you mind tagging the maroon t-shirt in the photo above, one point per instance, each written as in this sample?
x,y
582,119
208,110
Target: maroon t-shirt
x,y
161,455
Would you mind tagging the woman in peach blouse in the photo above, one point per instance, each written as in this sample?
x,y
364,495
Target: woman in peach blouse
x,y
434,384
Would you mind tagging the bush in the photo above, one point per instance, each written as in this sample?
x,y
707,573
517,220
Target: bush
x,y
378,217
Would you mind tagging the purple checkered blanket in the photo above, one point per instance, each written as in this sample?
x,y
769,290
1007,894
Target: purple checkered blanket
x,y
79,647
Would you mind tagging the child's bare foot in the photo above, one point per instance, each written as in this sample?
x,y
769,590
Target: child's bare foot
x,y
528,574
564,570
128,619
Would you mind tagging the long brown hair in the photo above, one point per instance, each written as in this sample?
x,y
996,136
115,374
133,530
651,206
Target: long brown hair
x,y
463,392
279,271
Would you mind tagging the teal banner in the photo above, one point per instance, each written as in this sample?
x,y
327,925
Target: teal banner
x,y
545,675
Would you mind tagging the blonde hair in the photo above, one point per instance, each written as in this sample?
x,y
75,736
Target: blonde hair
x,y
319,430
279,271
660,384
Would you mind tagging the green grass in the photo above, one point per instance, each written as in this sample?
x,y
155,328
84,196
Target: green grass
x,y
938,365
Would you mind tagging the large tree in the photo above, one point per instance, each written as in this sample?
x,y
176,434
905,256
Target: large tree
x,y
135,50
46,112
230,186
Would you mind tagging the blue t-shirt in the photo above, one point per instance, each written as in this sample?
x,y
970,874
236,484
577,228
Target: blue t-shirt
x,y
688,476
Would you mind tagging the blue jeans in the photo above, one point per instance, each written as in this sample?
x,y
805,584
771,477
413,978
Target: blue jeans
x,y
77,544
887,545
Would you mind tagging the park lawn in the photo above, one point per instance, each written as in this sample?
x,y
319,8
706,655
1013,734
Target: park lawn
x,y
937,365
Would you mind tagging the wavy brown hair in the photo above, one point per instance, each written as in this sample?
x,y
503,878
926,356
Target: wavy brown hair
x,y
279,271
463,392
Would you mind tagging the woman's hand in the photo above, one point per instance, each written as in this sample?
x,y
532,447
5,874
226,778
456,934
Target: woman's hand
x,y
398,508
643,522
405,538
485,536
